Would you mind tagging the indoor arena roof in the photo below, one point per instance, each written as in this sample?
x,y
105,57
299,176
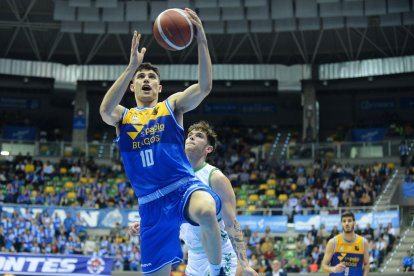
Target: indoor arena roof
x,y
239,31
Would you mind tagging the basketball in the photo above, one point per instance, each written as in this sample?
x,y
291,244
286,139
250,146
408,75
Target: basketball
x,y
173,30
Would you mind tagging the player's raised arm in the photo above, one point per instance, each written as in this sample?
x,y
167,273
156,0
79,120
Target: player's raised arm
x,y
110,110
191,97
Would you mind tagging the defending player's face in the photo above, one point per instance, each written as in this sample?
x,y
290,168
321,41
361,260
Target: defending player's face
x,y
146,85
348,224
196,142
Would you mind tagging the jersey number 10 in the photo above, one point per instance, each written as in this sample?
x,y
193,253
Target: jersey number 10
x,y
147,158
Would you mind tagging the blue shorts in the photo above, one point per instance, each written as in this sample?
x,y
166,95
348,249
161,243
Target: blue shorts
x,y
160,226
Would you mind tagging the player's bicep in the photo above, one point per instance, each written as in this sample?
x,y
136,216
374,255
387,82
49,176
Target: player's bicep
x,y
222,186
114,117
228,213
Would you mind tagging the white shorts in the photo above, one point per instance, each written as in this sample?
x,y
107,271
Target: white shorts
x,y
198,264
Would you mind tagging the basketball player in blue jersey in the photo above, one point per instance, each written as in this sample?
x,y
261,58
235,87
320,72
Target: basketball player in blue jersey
x,y
347,254
200,142
150,139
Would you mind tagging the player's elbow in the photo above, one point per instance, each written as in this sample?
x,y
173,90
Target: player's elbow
x,y
228,225
104,111
205,88
229,222
105,115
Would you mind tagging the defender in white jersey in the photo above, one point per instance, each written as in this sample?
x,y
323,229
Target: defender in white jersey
x,y
200,142
197,264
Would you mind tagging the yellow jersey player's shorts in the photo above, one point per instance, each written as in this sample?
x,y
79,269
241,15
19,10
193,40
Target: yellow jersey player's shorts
x,y
161,219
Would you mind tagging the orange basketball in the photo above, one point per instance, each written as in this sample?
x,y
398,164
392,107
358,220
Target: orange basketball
x,y
173,29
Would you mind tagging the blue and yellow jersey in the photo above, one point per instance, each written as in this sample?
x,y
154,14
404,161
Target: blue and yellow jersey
x,y
151,143
349,253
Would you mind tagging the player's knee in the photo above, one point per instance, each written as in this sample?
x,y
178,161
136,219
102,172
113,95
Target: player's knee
x,y
206,211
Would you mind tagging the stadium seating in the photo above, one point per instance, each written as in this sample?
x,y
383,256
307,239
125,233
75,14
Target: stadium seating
x,y
266,190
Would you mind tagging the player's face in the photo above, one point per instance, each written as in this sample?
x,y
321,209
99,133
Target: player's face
x,y
146,85
348,224
196,142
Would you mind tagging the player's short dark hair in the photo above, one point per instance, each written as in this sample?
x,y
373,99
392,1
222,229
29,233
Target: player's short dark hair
x,y
348,215
208,130
148,66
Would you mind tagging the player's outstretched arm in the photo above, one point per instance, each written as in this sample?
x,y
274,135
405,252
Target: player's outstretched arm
x,y
191,97
222,186
328,257
110,110
205,71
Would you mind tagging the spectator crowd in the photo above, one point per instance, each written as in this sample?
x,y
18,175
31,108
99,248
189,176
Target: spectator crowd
x,y
319,188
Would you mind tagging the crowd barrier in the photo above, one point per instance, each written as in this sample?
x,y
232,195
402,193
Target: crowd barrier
x,y
108,217
296,151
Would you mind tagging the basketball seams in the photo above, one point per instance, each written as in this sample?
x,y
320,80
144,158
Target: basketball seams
x,y
170,19
189,24
176,27
163,36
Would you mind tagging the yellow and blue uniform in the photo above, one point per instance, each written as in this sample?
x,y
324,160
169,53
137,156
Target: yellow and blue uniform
x,y
349,253
151,143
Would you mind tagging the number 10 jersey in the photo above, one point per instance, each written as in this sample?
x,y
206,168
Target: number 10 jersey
x,y
151,143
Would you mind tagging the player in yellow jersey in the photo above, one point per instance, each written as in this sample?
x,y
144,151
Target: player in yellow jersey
x,y
150,139
347,254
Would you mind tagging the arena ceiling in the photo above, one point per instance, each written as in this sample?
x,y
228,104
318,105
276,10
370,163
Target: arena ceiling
x,y
239,31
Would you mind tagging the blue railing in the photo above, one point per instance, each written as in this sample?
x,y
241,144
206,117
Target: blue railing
x,y
293,151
